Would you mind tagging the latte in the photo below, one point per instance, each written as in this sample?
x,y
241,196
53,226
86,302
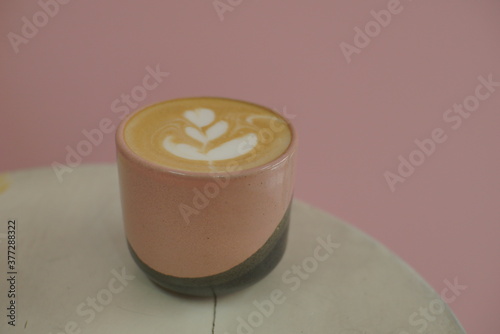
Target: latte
x,y
207,134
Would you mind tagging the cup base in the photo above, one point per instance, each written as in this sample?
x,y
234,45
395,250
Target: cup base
x,y
242,275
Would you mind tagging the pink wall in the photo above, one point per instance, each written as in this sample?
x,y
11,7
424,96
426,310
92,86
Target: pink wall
x,y
354,118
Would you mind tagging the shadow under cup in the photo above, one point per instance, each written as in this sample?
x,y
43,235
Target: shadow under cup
x,y
205,233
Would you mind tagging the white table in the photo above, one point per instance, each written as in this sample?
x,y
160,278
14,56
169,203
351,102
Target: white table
x,y
75,275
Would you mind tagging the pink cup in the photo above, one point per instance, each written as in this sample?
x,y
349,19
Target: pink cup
x,y
205,233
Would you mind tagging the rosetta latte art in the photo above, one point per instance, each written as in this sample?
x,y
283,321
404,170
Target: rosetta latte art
x,y
207,134
206,129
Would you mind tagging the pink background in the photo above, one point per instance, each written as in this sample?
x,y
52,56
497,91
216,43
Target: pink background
x,y
353,119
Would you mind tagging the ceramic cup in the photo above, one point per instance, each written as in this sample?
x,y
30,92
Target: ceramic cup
x,y
205,233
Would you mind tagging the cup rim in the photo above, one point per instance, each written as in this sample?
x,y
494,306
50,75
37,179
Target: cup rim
x,y
127,152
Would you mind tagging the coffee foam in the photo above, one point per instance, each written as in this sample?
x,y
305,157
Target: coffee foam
x,y
207,134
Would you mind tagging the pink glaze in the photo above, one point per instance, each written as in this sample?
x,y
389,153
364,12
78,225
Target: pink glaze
x,y
228,228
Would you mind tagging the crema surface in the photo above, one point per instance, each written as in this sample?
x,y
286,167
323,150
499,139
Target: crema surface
x,y
207,134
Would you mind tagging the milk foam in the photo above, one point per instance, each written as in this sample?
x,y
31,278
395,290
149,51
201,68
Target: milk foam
x,y
203,117
203,134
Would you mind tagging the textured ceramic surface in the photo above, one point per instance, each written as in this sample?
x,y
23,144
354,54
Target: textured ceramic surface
x,y
75,273
253,269
193,225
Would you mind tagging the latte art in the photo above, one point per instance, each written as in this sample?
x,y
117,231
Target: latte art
x,y
203,118
206,134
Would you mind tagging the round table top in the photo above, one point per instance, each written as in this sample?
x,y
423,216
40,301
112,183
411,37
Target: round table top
x,y
72,273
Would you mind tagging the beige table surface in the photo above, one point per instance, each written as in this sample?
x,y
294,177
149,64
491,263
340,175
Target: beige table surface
x,y
75,275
